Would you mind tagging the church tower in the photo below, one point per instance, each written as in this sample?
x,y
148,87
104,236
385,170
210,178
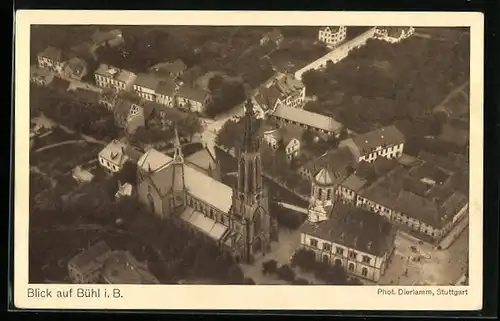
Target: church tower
x,y
177,195
250,208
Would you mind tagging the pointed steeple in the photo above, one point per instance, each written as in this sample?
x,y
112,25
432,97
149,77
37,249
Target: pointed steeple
x,y
250,139
178,156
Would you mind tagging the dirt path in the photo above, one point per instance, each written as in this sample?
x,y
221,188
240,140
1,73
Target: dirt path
x,y
66,142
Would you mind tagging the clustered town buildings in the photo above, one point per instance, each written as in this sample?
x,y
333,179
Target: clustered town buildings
x,y
362,192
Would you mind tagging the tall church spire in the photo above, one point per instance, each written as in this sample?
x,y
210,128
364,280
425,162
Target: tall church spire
x,y
249,163
250,139
178,156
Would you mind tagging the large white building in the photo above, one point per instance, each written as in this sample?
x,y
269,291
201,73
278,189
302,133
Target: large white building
x,y
357,240
386,142
332,36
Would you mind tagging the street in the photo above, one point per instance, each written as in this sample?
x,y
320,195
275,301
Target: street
x,y
423,264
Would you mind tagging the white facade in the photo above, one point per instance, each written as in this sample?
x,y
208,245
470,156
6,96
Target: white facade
x,y
47,63
383,34
165,100
393,151
332,36
145,93
354,262
119,80
292,149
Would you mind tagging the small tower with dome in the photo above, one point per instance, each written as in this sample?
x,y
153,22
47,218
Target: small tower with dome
x,y
322,197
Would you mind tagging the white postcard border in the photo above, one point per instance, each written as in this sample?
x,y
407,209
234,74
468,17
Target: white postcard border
x,y
247,297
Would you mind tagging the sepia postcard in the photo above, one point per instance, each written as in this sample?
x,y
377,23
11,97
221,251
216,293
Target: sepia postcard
x,y
248,160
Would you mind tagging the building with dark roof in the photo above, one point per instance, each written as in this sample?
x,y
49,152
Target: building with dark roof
x,y
86,266
286,91
51,58
121,267
357,240
174,68
192,99
75,68
386,142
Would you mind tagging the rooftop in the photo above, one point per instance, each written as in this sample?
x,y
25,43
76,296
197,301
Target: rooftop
x,y
354,182
52,53
166,87
332,29
191,93
76,65
175,67
149,81
92,258
153,160
382,137
337,160
208,189
115,73
203,223
118,153
122,268
355,228
308,118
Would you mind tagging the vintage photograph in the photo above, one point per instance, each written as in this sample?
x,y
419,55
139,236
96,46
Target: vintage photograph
x,y
248,154
332,155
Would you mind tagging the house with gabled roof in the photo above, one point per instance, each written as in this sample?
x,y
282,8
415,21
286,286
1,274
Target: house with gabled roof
x,y
116,154
107,76
121,267
51,58
383,142
130,116
172,68
86,266
110,38
332,35
40,76
75,68
286,91
192,99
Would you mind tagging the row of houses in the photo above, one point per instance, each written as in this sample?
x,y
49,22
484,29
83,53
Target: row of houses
x,y
159,85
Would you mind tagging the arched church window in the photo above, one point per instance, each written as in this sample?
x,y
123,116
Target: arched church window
x,y
320,193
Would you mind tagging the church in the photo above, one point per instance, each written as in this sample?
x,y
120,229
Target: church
x,y
236,218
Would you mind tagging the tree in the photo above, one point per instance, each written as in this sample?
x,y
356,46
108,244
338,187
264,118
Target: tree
x,y
230,134
286,273
269,266
305,259
290,219
128,173
189,126
230,94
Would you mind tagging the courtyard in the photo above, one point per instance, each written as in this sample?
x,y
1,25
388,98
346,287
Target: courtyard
x,y
416,263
